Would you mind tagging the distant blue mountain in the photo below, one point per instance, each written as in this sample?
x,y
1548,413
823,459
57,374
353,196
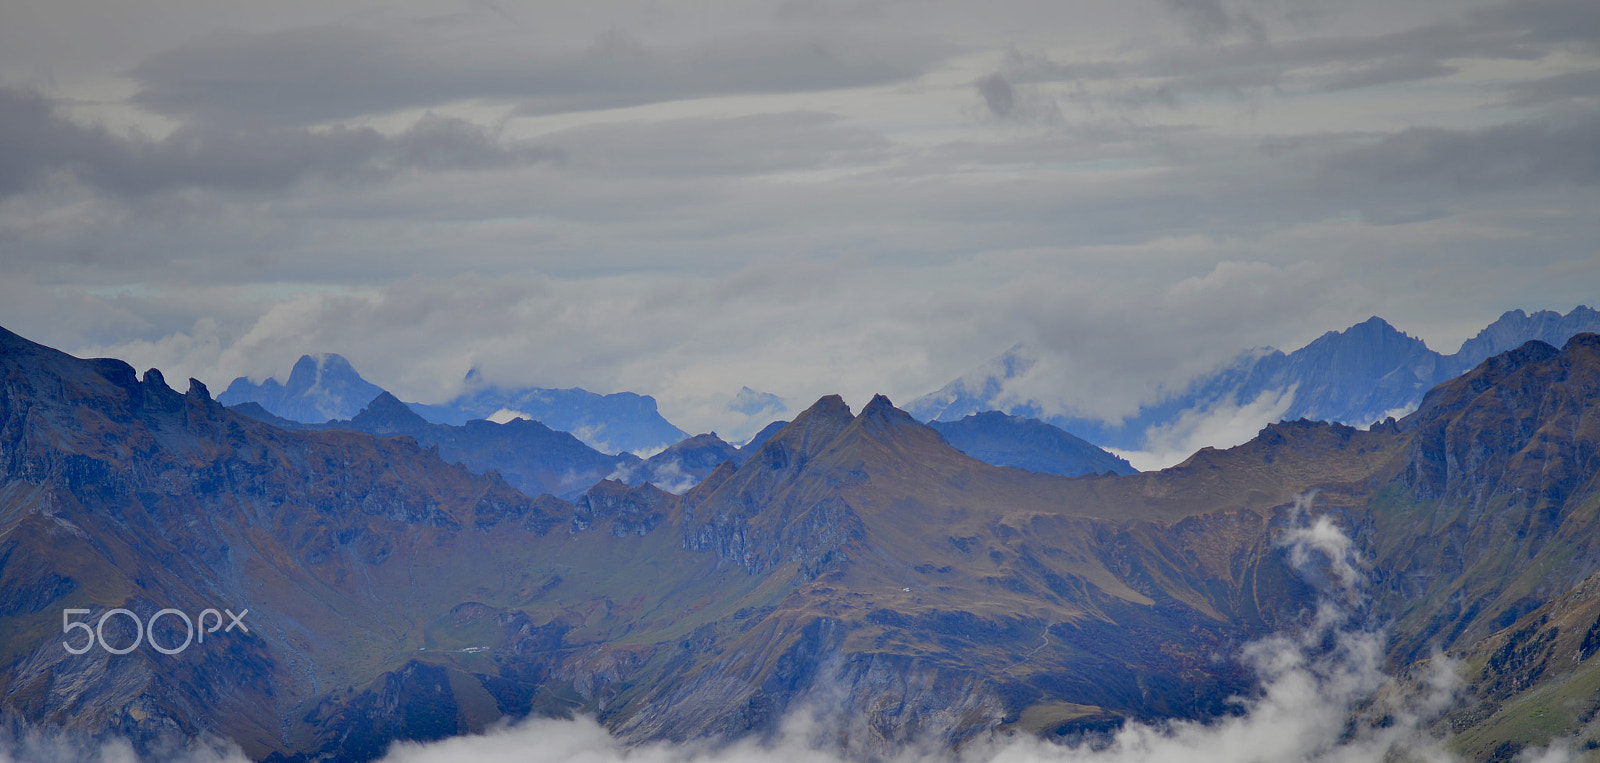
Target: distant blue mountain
x,y
1363,374
754,443
681,466
687,462
325,388
621,422
995,438
528,455
321,388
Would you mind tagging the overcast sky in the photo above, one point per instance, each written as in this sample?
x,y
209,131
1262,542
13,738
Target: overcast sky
x,y
801,197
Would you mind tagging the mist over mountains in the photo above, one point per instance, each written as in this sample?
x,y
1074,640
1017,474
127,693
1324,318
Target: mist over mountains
x,y
850,560
325,387
1357,376
1366,373
320,388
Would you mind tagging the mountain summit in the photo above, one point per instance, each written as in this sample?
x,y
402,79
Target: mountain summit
x,y
321,388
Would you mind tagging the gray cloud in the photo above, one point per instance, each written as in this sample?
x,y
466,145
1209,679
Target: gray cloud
x,y
1537,22
1504,157
702,146
998,95
1389,71
37,142
757,404
1210,20
321,74
1515,30
1576,88
869,239
1008,103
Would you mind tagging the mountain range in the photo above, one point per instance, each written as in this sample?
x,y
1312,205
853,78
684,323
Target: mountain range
x,y
528,455
325,387
853,562
1366,373
995,438
536,459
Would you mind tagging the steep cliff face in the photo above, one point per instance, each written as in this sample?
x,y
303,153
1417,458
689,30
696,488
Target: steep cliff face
x,y
1534,680
1493,510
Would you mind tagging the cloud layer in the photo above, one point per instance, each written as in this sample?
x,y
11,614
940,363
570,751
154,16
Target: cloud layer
x,y
800,197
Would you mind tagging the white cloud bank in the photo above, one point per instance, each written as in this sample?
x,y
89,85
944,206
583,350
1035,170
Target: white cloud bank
x,y
1220,426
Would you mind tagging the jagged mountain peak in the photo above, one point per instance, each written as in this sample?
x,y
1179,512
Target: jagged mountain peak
x,y
812,430
321,387
894,427
1461,390
1514,327
879,403
387,414
154,378
310,370
1373,336
827,405
698,441
683,464
881,409
1375,324
197,389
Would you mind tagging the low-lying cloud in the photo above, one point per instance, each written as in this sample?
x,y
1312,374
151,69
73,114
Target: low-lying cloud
x,y
1222,425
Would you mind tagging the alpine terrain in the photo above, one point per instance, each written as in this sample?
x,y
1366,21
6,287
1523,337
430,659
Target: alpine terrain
x,y
853,561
